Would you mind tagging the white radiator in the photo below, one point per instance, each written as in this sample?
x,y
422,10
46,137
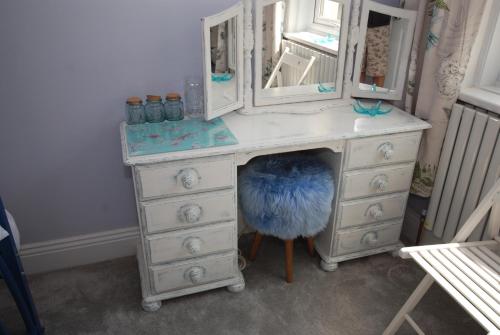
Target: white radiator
x,y
468,167
324,69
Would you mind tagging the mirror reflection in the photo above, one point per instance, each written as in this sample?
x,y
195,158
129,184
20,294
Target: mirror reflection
x,y
384,44
300,45
223,62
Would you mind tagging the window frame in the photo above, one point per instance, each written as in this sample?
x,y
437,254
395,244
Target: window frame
x,y
318,19
481,84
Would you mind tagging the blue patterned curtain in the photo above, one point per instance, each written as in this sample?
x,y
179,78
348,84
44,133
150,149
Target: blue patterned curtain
x,y
453,29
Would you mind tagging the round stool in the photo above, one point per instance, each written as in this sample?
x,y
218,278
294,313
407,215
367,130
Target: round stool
x,y
286,196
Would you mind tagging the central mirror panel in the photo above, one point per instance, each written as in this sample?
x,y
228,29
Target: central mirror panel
x,y
300,49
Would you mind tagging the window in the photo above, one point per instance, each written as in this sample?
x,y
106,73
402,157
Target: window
x,y
327,12
481,85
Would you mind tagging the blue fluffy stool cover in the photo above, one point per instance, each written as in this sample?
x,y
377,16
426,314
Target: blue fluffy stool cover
x,y
286,195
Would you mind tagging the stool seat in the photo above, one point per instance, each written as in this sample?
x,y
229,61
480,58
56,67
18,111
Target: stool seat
x,y
287,195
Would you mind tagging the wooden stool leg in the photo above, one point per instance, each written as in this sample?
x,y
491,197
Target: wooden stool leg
x,y
289,260
310,245
255,246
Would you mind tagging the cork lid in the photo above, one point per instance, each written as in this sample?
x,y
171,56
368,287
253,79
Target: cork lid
x,y
153,97
173,96
134,101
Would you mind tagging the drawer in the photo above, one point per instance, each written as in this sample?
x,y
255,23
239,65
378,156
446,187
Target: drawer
x,y
376,209
364,183
382,150
183,177
194,272
195,242
372,237
188,211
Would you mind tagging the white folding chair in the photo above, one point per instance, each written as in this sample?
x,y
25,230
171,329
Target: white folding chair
x,y
468,271
297,62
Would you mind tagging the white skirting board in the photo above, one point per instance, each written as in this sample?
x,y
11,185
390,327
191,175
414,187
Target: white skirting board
x,y
79,250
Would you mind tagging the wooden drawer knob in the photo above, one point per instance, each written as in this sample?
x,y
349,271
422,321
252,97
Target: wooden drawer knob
x,y
387,150
379,182
190,213
195,274
375,211
370,238
189,178
193,245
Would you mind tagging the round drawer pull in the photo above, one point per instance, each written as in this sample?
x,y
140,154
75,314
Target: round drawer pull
x,y
379,182
195,274
387,150
370,238
190,213
193,245
375,211
189,178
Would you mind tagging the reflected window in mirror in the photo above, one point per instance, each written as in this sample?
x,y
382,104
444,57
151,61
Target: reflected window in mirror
x,y
328,12
296,59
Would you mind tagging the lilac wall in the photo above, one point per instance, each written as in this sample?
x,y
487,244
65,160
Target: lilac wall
x,y
66,68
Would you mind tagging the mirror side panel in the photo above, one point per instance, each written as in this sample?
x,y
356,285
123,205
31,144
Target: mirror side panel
x,y
383,51
223,65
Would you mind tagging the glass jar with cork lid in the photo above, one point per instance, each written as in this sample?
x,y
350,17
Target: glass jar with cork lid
x,y
174,108
135,111
155,112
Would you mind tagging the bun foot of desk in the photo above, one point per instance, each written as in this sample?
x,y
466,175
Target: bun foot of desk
x,y
151,306
238,287
329,266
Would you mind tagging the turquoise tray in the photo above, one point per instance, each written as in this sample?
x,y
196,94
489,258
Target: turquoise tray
x,y
169,136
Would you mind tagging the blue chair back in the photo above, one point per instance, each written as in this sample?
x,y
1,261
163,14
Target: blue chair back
x,y
11,270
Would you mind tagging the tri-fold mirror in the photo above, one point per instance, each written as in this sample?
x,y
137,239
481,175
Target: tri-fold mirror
x,y
300,48
382,55
223,61
299,51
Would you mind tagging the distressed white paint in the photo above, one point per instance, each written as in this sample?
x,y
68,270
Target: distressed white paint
x,y
383,150
172,213
363,183
267,131
152,300
186,200
187,274
185,177
190,243
348,242
186,188
365,211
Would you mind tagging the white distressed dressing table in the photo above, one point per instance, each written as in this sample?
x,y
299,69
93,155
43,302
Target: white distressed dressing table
x,y
187,200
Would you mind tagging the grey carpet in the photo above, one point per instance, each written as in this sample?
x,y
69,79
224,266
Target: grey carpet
x,y
361,297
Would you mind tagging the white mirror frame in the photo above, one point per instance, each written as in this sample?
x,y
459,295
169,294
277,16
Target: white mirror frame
x,y
410,15
261,99
235,11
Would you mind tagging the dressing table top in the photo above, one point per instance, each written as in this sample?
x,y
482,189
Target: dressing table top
x,y
272,130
